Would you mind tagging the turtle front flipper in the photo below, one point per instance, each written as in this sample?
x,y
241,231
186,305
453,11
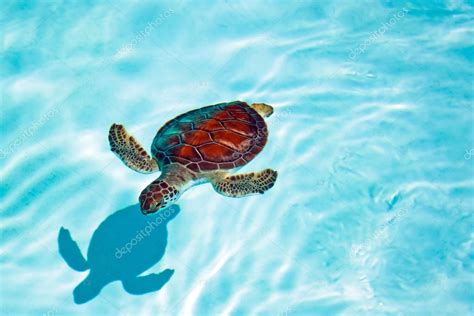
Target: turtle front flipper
x,y
70,251
129,150
148,283
245,184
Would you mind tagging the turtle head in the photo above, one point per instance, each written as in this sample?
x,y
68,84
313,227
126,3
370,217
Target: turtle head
x,y
158,195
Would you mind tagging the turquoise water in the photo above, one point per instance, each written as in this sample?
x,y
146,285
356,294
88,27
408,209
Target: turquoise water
x,y
372,136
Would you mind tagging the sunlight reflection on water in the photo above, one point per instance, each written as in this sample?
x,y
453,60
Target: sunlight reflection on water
x,y
372,210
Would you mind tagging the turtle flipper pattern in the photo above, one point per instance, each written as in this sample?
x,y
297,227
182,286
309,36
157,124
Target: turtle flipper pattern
x,y
129,150
70,251
246,184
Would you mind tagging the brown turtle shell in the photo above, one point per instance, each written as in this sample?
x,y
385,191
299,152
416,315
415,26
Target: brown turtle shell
x,y
216,137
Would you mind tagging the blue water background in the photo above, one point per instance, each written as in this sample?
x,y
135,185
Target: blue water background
x,y
372,136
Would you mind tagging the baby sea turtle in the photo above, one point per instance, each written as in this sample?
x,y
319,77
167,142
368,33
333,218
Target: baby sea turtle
x,y
203,145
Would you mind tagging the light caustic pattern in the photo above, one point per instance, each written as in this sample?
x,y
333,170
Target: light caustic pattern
x,y
372,137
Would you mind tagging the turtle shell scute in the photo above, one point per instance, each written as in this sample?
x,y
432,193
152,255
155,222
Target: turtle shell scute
x,y
217,137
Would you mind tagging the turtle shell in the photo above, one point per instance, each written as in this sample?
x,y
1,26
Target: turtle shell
x,y
217,137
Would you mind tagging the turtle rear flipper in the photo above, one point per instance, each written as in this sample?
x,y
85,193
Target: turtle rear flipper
x,y
70,251
87,289
245,184
148,283
129,150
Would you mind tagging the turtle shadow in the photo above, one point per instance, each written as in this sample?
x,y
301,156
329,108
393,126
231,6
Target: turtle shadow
x,y
123,246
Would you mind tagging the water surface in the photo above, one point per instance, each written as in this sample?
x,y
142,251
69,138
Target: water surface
x,y
372,136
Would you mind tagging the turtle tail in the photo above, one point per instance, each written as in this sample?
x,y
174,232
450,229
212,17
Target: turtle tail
x,y
263,109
